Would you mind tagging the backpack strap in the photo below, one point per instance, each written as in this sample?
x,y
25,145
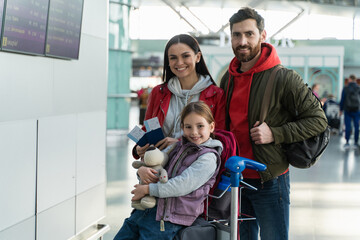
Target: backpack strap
x,y
227,84
224,80
266,99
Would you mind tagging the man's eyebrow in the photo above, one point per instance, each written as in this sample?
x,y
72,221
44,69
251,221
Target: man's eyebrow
x,y
248,31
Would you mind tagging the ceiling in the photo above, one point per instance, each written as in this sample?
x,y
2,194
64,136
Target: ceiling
x,y
300,7
335,7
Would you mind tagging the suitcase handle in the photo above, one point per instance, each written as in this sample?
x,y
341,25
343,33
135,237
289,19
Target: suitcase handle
x,y
238,164
235,165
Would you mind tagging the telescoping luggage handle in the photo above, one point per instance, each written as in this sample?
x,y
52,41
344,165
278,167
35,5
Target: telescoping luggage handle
x,y
236,165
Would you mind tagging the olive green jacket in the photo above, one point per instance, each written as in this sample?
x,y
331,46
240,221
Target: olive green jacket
x,y
294,114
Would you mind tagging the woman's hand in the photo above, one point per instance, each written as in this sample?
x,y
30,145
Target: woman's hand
x,y
141,150
139,192
164,143
147,175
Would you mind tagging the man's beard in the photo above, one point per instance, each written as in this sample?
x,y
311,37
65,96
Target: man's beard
x,y
247,57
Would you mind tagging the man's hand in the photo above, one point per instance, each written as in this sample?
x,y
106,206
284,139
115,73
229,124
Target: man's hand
x,y
261,134
139,192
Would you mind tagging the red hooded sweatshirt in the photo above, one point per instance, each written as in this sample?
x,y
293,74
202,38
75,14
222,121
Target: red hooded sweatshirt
x,y
238,109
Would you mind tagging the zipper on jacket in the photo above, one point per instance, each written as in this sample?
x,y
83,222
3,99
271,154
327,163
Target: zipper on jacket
x,y
162,110
174,170
173,173
162,223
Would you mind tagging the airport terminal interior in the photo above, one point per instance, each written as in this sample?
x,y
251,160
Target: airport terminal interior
x,y
66,109
325,199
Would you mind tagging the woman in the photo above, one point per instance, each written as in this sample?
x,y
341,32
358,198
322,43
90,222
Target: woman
x,y
186,79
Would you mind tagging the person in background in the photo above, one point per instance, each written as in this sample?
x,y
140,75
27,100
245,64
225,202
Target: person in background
x,y
350,105
294,114
315,89
143,95
332,111
181,198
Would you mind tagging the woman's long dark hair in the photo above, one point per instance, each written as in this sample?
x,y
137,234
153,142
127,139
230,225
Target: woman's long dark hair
x,y
200,67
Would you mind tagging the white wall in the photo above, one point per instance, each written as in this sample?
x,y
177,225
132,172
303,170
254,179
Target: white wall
x,y
351,70
53,135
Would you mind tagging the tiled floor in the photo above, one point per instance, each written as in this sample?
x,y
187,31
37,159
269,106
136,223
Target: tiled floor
x,y
325,199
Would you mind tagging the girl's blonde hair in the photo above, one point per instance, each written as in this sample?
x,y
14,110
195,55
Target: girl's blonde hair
x,y
199,108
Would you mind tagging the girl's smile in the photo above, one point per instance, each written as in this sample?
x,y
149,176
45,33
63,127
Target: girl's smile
x,y
196,129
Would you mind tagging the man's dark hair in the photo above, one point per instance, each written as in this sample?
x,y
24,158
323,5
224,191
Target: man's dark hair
x,y
247,13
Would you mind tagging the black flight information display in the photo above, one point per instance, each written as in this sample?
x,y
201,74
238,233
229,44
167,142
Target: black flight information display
x,y
25,26
64,28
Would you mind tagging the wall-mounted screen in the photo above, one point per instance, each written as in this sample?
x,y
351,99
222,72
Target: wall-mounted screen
x,y
25,26
64,28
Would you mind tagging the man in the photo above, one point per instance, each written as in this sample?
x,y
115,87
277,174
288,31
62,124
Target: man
x,y
350,104
294,114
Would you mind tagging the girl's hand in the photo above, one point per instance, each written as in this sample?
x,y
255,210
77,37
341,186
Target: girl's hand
x,y
139,192
141,150
147,175
164,143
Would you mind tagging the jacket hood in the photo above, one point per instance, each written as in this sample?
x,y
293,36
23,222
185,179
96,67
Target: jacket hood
x,y
211,143
267,60
178,101
175,86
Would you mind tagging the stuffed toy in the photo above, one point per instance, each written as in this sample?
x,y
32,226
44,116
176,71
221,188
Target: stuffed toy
x,y
155,159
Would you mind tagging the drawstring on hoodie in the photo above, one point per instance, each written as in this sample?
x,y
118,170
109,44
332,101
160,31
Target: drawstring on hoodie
x,y
176,118
187,100
171,123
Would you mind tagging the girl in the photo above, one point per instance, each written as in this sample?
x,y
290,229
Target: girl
x,y
192,169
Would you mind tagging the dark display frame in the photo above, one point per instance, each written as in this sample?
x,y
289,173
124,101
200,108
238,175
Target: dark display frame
x,y
67,43
2,3
36,27
24,26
